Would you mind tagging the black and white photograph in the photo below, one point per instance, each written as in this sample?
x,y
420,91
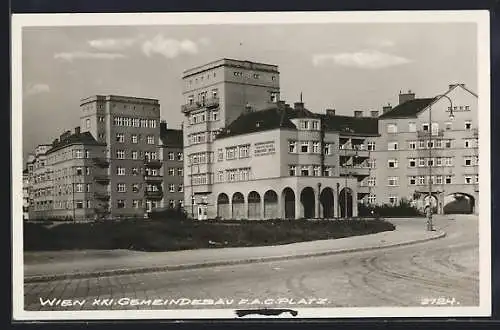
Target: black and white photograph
x,y
251,165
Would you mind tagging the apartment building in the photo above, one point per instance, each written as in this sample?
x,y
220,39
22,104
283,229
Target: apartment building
x,y
40,177
172,156
422,148
26,195
258,157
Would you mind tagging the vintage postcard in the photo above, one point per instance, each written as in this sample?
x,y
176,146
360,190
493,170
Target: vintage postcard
x,y
251,165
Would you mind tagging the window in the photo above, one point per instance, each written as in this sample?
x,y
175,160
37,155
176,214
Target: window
x,y
220,176
448,126
392,146
393,181
468,179
421,144
372,182
438,144
327,149
393,163
121,187
120,204
135,171
79,171
392,128
421,162
439,161
393,200
171,171
448,161
180,188
171,156
87,187
371,145
304,147
316,170
120,154
468,161
87,154
171,203
120,170
467,143
135,187
304,171
79,153
447,144
135,154
120,137
476,179
412,162
180,156
79,187
215,115
315,125
292,170
171,187
134,138
316,147
439,179
79,204
412,180
468,125
180,171
372,199
231,153
150,139
244,151
412,145
137,204
447,179
425,127
421,180
87,170
372,163
412,127
304,124
292,146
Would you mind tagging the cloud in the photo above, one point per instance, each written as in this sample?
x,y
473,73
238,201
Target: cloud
x,y
70,56
368,59
34,89
112,44
381,43
170,48
205,41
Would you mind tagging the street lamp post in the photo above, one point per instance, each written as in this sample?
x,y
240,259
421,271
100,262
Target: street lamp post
x,y
430,226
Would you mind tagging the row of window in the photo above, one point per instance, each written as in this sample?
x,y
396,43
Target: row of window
x,y
134,138
134,122
242,151
309,125
235,174
203,96
202,137
310,170
309,147
134,154
393,181
199,179
201,77
122,187
412,127
201,117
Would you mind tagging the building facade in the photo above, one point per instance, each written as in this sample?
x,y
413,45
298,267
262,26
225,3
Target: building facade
x,y
26,194
172,155
40,177
422,148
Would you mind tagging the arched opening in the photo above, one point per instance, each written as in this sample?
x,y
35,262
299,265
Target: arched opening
x,y
326,200
289,203
223,206
345,201
238,202
271,205
253,205
459,203
307,200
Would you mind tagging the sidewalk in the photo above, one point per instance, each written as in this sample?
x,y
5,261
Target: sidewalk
x,y
46,266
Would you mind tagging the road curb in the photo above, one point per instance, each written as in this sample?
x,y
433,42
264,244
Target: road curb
x,y
128,271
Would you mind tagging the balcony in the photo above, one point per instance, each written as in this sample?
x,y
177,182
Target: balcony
x,y
212,102
153,163
153,194
354,171
100,162
101,195
364,190
428,134
153,178
102,179
185,108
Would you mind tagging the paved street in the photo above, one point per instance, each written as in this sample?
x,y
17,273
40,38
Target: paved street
x,y
412,275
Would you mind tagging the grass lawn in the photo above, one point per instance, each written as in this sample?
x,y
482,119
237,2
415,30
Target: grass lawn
x,y
172,235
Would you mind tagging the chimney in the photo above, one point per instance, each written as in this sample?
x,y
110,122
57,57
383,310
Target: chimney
x,y
298,105
374,114
248,107
56,141
281,104
77,130
330,112
358,114
163,125
386,108
403,97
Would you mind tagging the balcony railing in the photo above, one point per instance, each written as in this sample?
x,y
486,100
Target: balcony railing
x,y
101,162
153,163
207,103
355,170
153,194
434,133
101,195
363,190
153,178
102,179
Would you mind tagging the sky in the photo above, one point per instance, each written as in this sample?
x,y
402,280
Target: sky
x,y
343,66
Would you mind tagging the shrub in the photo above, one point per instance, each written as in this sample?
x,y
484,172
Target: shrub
x,y
403,209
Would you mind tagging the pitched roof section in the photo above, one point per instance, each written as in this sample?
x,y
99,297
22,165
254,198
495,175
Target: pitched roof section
x,y
408,109
171,137
81,138
280,117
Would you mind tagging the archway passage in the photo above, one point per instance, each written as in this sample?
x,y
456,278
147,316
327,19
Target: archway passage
x,y
254,205
307,200
289,203
271,205
327,203
223,206
238,202
345,201
459,203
